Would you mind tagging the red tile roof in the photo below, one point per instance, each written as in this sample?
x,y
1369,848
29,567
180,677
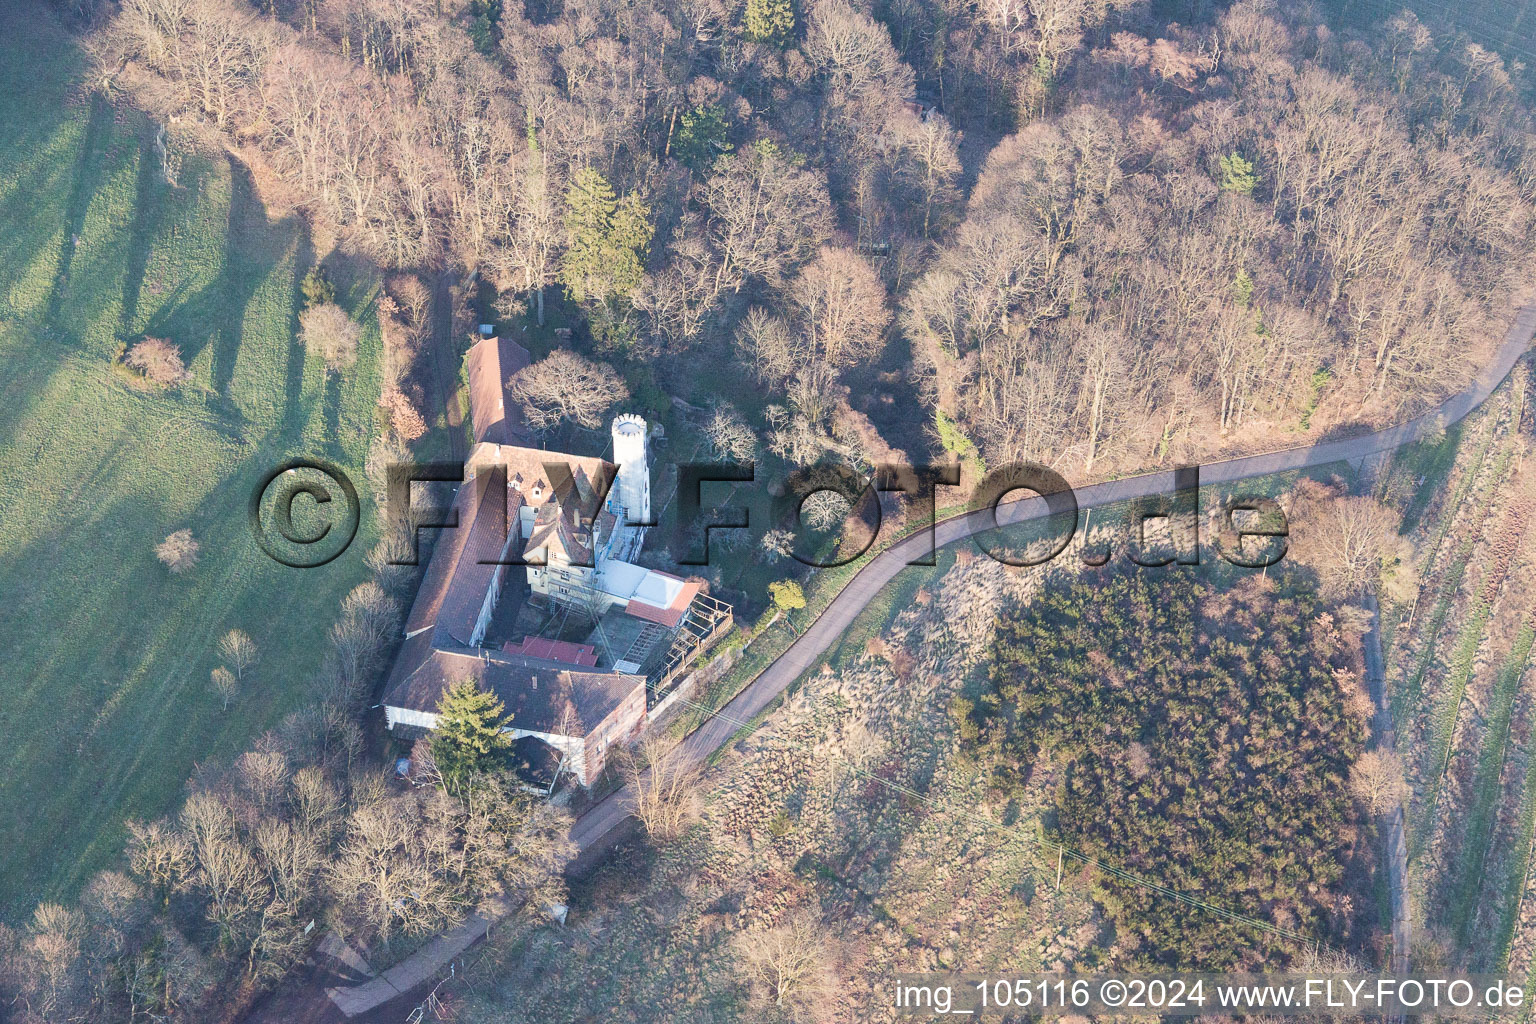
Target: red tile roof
x,y
671,615
554,650
455,546
458,575
463,563
493,413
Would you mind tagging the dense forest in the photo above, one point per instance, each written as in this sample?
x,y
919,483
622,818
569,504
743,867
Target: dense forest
x,y
1070,230
1202,737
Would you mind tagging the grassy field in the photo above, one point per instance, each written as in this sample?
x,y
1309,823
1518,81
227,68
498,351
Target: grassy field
x,y
105,707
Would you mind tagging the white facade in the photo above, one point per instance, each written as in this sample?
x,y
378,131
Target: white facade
x,y
576,586
631,455
574,748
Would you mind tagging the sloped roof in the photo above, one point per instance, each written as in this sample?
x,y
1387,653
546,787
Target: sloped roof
x,y
540,695
493,413
446,554
659,588
677,600
556,537
540,475
584,655
463,563
560,700
622,579
412,655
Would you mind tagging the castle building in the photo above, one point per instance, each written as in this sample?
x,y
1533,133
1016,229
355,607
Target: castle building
x,y
558,535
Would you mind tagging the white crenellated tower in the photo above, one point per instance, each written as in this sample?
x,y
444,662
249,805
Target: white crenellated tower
x,y
631,454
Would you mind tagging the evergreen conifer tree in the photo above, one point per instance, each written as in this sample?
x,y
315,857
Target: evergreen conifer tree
x,y
469,740
607,239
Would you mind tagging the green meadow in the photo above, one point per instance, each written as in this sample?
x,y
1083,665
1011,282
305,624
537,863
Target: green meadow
x,y
105,705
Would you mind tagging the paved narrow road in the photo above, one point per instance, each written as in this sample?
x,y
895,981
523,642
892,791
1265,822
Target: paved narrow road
x,y
603,818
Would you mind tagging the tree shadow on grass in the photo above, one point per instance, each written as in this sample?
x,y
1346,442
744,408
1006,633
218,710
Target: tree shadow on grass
x,y
331,407
86,729
87,180
146,220
253,247
294,411
239,284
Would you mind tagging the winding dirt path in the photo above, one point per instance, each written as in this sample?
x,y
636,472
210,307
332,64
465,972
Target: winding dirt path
x,y
1395,820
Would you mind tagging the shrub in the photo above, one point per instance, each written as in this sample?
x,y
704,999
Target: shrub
x,y
317,288
329,333
159,361
402,416
179,551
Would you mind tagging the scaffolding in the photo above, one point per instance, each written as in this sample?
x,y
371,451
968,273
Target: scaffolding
x,y
705,621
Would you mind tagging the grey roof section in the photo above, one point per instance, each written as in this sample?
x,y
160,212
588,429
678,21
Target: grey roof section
x,y
463,562
540,695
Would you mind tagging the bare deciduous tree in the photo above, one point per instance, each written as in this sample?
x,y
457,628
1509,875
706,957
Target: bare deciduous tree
x,y
825,510
564,386
413,299
404,419
385,871
841,307
239,650
367,617
1344,539
224,684
855,50
330,334
729,436
665,785
788,960
179,551
159,854
765,216
54,940
386,558
1377,781
767,346
777,545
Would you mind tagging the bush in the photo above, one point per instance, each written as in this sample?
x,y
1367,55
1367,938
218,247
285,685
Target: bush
x,y
179,551
329,333
317,288
402,416
159,361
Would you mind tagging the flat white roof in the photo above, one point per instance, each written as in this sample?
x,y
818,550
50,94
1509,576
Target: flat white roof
x,y
658,590
622,579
